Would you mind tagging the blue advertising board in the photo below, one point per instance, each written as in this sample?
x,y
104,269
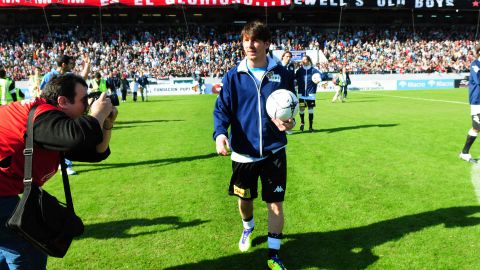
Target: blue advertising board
x,y
297,55
425,84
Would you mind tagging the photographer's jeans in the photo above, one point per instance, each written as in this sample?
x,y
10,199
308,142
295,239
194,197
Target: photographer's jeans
x,y
16,253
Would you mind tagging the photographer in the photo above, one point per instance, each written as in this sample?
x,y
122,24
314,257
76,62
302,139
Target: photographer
x,y
65,65
60,127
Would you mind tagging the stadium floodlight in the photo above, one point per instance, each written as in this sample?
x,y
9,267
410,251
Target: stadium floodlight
x,y
478,21
186,22
48,25
413,24
343,5
100,21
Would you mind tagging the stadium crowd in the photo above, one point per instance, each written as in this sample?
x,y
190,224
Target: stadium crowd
x,y
209,52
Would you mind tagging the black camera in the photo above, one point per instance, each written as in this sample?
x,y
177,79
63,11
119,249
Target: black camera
x,y
112,97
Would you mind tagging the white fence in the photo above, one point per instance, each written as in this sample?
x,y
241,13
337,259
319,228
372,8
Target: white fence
x,y
189,86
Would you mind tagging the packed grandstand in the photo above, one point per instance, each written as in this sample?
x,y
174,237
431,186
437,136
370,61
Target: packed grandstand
x,y
183,45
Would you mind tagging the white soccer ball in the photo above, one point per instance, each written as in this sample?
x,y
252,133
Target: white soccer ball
x,y
316,78
282,104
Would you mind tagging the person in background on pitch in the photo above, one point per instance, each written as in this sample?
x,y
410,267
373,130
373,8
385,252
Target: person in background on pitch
x,y
7,88
124,86
34,82
142,85
287,62
474,100
346,79
339,81
307,90
98,84
134,90
65,64
113,82
60,126
257,141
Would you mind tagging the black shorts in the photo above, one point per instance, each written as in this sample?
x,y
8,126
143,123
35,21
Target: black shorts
x,y
306,102
272,172
476,121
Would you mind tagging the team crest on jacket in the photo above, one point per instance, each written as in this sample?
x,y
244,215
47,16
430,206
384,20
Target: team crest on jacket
x,y
475,68
273,77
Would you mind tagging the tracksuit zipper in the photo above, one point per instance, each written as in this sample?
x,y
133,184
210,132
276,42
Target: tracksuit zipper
x,y
259,108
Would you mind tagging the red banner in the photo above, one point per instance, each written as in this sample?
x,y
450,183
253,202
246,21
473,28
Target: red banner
x,y
383,4
142,3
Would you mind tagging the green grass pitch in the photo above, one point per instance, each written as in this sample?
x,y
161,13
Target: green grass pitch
x,y
378,185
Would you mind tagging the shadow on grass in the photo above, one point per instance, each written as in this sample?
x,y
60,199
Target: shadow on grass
x,y
161,99
360,101
150,101
342,249
145,121
153,163
140,123
120,228
337,129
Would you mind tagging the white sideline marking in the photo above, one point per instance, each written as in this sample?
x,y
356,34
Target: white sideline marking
x,y
476,180
424,99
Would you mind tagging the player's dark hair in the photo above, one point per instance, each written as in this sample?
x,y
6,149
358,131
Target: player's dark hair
x,y
477,50
63,85
286,52
256,30
309,59
3,73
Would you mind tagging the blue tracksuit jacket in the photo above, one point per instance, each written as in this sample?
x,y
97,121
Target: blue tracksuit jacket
x,y
304,81
240,105
474,83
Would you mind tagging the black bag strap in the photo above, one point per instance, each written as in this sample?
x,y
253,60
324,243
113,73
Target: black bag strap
x,y
66,184
28,153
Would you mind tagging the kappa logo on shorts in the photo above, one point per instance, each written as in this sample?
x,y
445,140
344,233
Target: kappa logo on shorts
x,y
244,193
476,119
279,189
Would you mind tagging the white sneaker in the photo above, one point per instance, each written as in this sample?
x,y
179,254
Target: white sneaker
x,y
245,240
70,171
467,157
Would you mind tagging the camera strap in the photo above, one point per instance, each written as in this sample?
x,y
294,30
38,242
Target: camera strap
x,y
28,154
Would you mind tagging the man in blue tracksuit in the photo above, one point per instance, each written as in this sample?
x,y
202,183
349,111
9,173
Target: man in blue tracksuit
x,y
257,141
142,85
474,99
307,90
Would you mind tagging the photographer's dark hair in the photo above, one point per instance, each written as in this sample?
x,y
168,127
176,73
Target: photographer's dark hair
x,y
477,50
63,85
256,30
63,59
